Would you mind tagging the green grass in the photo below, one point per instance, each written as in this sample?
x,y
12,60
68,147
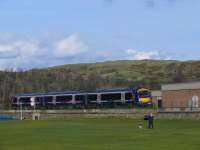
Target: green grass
x,y
99,134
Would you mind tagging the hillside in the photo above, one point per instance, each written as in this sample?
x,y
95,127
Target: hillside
x,y
148,73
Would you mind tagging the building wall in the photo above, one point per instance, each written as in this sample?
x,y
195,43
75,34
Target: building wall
x,y
179,98
156,96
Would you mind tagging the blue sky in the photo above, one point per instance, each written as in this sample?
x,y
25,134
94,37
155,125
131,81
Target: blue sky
x,y
42,33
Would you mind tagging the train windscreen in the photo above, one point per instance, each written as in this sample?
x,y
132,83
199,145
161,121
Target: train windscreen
x,y
144,94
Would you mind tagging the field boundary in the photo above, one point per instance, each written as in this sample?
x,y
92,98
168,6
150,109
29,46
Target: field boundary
x,y
103,113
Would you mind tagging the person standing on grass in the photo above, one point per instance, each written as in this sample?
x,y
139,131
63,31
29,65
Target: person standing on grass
x,y
150,121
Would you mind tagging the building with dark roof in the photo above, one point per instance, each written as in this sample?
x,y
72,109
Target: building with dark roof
x,y
179,95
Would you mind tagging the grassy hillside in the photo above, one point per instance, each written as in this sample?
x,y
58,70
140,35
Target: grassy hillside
x,y
148,73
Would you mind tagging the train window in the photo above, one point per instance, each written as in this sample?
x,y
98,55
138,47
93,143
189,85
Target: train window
x,y
38,99
63,98
111,96
129,96
14,99
92,97
24,100
80,98
48,98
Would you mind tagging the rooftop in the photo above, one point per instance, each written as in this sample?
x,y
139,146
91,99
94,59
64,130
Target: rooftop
x,y
181,86
74,92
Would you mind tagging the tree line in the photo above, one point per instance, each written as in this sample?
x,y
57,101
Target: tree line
x,y
94,76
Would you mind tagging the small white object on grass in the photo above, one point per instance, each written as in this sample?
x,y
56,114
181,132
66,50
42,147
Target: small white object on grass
x,y
140,126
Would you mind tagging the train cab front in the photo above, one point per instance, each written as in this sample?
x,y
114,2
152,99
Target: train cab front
x,y
144,97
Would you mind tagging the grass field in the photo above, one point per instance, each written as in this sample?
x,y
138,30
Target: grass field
x,y
99,134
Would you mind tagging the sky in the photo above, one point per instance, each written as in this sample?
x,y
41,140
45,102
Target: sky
x,y
45,33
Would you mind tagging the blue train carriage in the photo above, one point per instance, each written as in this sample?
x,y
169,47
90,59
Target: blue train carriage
x,y
108,98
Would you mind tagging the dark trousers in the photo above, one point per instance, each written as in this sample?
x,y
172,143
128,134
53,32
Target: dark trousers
x,y
150,125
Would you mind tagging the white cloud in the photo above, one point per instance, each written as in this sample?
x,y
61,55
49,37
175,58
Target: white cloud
x,y
14,49
26,52
6,48
19,53
142,55
70,46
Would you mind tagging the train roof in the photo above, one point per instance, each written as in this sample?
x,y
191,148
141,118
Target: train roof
x,y
75,92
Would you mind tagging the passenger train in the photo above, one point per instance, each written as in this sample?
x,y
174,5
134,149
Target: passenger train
x,y
110,98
